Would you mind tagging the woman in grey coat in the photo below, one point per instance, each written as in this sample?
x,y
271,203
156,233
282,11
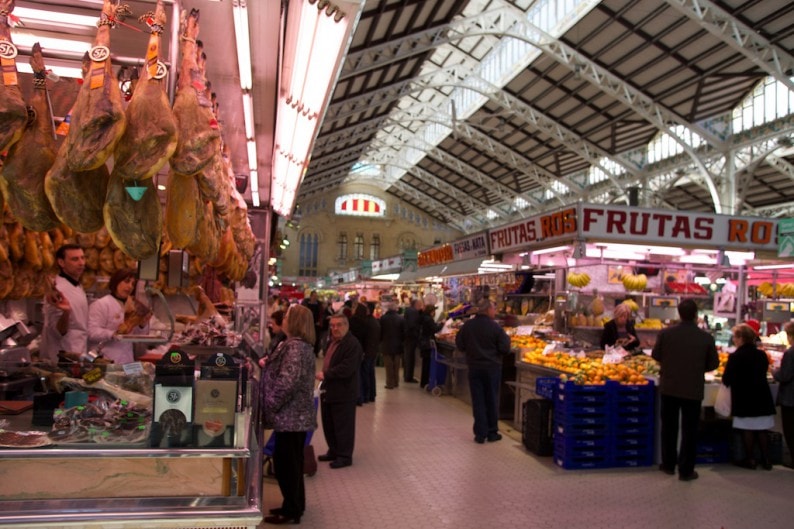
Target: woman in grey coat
x,y
288,380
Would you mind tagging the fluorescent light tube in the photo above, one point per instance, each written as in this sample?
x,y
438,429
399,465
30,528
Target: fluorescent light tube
x,y
59,20
243,40
60,71
248,116
23,38
252,161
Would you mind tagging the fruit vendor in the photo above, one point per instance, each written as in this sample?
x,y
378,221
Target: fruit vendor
x,y
619,331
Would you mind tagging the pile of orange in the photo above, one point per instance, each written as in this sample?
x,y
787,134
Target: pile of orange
x,y
588,370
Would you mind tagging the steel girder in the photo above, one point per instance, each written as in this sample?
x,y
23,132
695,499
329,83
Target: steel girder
x,y
429,203
773,59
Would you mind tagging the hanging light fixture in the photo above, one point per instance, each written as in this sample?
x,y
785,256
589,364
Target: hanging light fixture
x,y
317,37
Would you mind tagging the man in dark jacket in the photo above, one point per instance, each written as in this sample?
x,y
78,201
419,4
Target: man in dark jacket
x,y
392,336
412,331
484,343
685,353
339,378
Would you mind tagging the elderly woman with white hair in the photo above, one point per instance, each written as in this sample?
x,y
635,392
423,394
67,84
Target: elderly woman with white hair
x,y
619,331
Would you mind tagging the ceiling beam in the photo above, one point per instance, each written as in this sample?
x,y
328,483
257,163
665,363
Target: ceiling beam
x,y
461,222
775,61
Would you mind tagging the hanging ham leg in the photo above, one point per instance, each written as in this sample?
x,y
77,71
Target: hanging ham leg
x,y
13,114
184,209
31,157
199,135
98,119
151,134
77,197
135,226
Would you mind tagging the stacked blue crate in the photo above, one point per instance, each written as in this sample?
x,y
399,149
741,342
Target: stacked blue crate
x,y
581,426
599,426
632,424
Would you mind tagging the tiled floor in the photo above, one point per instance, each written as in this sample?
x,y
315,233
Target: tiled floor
x,y
416,465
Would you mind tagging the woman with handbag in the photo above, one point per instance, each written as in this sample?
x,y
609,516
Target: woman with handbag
x,y
288,382
752,406
785,395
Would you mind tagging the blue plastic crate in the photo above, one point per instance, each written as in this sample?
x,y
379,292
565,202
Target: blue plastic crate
x,y
643,452
645,439
561,428
620,418
585,442
581,462
586,393
581,408
634,429
546,387
584,418
632,392
645,460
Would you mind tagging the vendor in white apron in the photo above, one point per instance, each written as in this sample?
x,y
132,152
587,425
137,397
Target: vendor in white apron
x,y
65,308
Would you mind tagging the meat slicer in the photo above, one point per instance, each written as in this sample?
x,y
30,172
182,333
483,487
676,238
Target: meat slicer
x,y
15,382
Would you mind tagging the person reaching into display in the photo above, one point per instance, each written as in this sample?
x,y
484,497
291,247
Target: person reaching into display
x,y
620,331
115,314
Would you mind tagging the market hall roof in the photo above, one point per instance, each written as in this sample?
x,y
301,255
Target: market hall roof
x,y
481,112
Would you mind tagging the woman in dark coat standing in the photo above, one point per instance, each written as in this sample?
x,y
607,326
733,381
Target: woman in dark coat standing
x,y
785,395
427,332
752,406
288,381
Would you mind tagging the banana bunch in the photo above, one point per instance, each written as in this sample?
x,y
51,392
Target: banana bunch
x,y
632,282
578,279
784,290
630,303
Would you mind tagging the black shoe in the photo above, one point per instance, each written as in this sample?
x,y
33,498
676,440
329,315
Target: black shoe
x,y
689,477
479,440
326,457
280,519
340,463
494,438
412,381
276,510
668,471
766,465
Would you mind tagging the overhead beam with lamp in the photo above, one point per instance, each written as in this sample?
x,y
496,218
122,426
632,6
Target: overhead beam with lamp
x,y
317,38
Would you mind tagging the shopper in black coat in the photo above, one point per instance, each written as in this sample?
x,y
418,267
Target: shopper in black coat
x,y
339,378
412,318
752,406
427,332
392,335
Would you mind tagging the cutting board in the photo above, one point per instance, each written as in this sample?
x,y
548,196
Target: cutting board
x,y
14,407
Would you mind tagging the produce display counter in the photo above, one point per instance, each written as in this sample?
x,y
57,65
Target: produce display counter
x,y
592,335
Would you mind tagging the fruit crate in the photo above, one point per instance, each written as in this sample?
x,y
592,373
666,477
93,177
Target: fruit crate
x,y
564,429
633,441
631,394
632,459
582,416
578,461
546,387
574,442
568,391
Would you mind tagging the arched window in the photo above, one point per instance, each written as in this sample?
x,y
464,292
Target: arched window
x,y
358,247
374,247
341,247
307,257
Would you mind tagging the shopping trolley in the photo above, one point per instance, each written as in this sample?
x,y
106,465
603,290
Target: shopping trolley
x,y
438,371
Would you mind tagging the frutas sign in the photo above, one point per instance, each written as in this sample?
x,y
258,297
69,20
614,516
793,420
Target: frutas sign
x,y
551,227
635,225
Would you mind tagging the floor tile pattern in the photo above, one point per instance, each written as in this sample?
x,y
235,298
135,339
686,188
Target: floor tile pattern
x,y
416,465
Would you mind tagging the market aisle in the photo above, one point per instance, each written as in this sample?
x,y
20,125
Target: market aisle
x,y
416,465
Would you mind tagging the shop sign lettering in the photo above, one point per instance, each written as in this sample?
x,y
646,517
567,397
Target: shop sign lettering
x,y
529,232
435,256
635,225
470,247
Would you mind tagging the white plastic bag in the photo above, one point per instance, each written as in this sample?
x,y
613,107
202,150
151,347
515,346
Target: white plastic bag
x,y
722,404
